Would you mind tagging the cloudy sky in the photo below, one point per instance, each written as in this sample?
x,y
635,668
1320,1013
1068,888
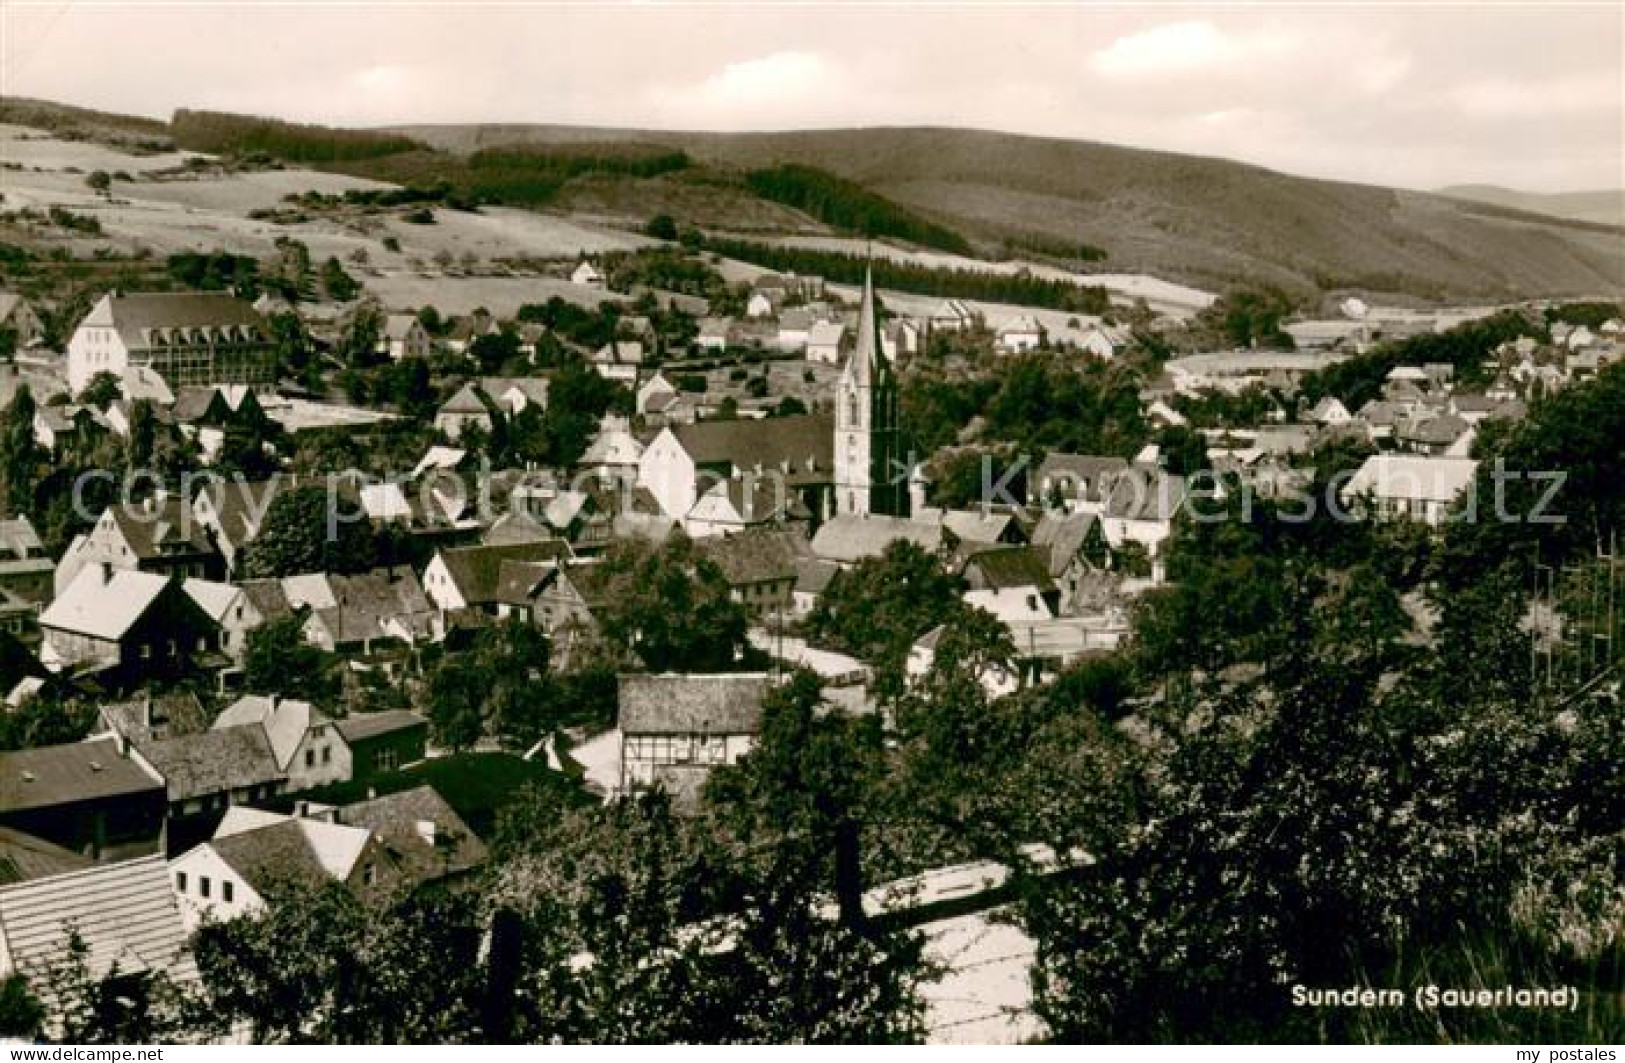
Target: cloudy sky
x,y
1526,95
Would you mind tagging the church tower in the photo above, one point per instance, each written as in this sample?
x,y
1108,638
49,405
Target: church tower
x,y
870,477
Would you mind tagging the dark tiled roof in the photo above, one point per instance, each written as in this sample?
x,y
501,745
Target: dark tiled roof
x,y
757,556
19,539
1010,566
477,570
364,603
468,400
268,597
1439,431
213,762
161,528
157,716
787,444
1093,470
813,576
364,725
1060,538
590,580
24,857
513,528
692,704
1146,494
517,581
78,771
397,820
141,318
267,856
238,503
849,537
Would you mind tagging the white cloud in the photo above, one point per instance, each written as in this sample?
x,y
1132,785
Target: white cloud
x,y
1185,48
383,81
1503,98
761,89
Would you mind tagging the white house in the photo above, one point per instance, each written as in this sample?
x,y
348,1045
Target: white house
x,y
17,314
469,577
676,728
515,394
954,316
309,750
619,360
684,461
1021,334
824,340
655,394
587,274
1141,509
186,338
713,334
1011,582
231,608
252,853
794,326
403,336
1102,341
759,306
744,501
1410,486
1330,411
469,408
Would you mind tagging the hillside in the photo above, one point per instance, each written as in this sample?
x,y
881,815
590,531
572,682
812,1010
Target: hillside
x,y
1206,221
1607,208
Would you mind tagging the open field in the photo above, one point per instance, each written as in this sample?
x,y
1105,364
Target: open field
x,y
1162,296
209,211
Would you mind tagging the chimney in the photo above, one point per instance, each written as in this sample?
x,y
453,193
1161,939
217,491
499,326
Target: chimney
x,y
426,830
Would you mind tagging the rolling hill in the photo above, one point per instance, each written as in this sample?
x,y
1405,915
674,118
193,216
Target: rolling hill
x,y
1608,208
1210,222
1207,222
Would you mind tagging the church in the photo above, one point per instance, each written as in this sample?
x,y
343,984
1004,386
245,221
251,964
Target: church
x,y
871,473
851,465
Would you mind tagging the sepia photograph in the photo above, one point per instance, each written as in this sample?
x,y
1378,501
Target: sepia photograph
x,y
811,522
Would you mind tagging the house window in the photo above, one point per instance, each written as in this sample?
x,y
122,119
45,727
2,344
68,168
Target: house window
x,y
327,754
310,758
180,882
146,652
203,886
369,874
226,891
386,760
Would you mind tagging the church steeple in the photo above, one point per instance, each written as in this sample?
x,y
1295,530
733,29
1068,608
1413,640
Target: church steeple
x,y
869,359
867,449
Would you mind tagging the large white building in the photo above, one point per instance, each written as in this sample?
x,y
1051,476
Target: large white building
x,y
685,462
187,338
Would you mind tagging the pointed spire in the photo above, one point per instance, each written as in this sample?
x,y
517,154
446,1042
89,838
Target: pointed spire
x,y
869,356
